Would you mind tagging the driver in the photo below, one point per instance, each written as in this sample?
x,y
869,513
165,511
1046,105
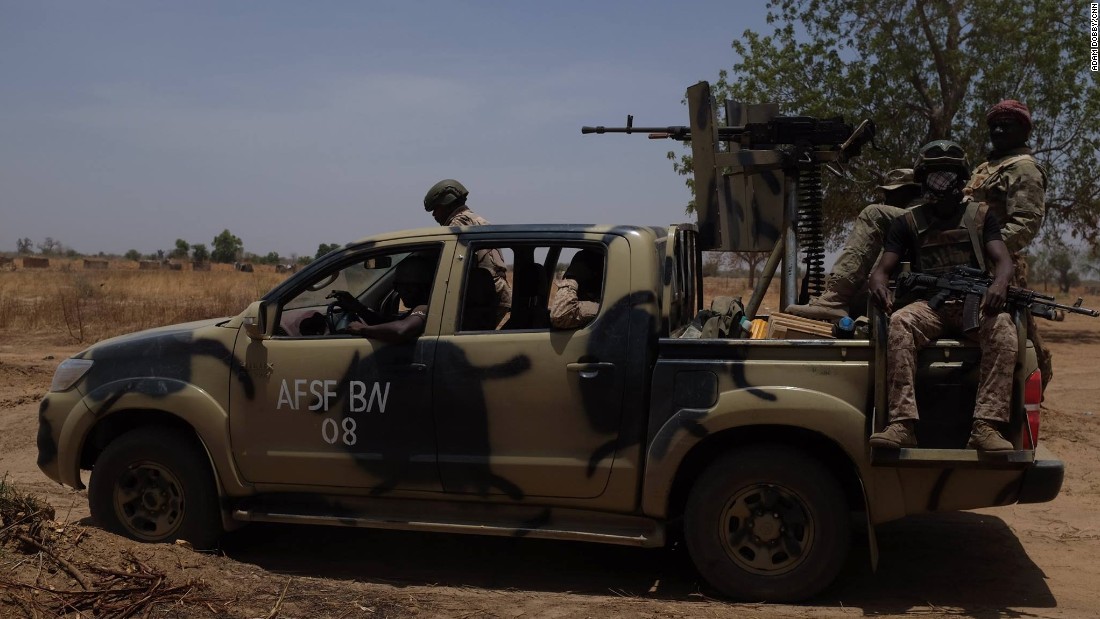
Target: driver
x,y
412,282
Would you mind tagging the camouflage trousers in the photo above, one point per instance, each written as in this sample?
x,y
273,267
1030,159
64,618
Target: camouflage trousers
x,y
864,246
913,326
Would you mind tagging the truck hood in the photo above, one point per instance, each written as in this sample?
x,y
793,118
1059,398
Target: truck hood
x,y
181,329
174,353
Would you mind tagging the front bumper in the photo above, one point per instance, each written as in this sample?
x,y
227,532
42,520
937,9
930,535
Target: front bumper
x,y
63,420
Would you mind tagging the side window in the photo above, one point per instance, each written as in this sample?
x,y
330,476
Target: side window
x,y
368,288
539,287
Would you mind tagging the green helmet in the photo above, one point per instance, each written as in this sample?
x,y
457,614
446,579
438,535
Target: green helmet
x,y
447,192
941,155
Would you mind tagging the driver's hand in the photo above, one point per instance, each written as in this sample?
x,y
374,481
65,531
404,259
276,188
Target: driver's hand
x,y
341,296
354,328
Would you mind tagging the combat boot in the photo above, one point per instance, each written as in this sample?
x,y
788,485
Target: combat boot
x,y
896,435
831,306
985,437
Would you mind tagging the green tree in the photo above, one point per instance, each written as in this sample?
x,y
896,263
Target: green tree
x,y
24,245
199,253
1061,264
227,247
271,258
181,250
325,248
132,254
924,70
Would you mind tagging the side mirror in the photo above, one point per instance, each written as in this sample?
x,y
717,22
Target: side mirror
x,y
257,328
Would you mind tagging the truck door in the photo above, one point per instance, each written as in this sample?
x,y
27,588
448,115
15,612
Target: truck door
x,y
531,409
313,407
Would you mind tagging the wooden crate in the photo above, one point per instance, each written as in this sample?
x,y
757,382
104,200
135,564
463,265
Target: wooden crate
x,y
790,327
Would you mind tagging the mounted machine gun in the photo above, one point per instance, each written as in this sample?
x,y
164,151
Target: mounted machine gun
x,y
758,184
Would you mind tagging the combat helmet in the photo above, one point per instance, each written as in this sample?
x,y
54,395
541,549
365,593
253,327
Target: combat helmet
x,y
941,155
447,192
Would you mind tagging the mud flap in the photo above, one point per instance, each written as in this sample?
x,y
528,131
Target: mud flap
x,y
872,539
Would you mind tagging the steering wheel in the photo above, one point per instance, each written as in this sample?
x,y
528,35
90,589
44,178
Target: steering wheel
x,y
345,308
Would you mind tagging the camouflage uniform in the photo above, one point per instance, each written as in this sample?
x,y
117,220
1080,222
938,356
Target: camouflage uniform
x,y
862,249
489,259
912,327
570,308
1013,185
916,324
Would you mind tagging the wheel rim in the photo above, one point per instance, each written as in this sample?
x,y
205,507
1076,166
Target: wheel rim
x,y
766,529
149,501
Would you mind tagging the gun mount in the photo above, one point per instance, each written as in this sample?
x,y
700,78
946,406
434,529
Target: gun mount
x,y
758,183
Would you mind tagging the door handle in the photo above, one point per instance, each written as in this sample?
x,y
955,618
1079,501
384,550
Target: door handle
x,y
589,370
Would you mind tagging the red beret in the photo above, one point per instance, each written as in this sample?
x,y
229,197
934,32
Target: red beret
x,y
1010,108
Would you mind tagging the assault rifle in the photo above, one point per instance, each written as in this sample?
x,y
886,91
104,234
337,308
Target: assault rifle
x,y
793,130
970,284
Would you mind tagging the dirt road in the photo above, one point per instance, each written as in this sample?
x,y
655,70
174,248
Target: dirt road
x,y
1021,561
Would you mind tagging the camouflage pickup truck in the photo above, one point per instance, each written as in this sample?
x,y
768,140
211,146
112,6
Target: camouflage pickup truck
x,y
618,431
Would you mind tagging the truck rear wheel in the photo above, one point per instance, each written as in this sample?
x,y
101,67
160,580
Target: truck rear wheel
x,y
767,523
153,486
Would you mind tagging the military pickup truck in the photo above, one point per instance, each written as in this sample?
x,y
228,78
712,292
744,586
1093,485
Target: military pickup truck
x,y
618,431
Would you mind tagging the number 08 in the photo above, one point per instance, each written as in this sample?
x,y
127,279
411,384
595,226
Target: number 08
x,y
330,431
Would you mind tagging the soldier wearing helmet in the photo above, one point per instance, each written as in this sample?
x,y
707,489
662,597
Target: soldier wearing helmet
x,y
446,201
949,230
1011,183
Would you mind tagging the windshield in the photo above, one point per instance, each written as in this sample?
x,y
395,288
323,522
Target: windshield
x,y
356,278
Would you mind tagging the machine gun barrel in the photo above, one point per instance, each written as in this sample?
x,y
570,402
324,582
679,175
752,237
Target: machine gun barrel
x,y
789,130
675,132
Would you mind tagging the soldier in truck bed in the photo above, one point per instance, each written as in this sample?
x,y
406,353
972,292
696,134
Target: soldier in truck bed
x,y
1011,182
446,201
935,237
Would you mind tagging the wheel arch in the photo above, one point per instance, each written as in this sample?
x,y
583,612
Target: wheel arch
x,y
830,429
812,443
115,409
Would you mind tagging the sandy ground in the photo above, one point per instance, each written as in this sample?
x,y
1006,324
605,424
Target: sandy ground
x,y
1019,561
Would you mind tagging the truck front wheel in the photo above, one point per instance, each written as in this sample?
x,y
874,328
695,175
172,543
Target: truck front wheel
x,y
767,523
154,486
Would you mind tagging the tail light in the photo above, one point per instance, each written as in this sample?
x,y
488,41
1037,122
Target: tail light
x,y
1033,395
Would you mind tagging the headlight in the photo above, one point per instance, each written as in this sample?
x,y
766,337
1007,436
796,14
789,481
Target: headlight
x,y
70,371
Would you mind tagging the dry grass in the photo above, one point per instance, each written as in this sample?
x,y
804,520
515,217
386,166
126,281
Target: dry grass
x,y
88,306
85,306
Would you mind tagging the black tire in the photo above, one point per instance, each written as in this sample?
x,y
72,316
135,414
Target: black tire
x,y
152,485
767,523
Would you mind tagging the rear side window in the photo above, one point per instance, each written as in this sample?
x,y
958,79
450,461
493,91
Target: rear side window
x,y
532,287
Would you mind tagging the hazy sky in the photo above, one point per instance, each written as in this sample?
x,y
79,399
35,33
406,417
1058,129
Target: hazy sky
x,y
131,124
